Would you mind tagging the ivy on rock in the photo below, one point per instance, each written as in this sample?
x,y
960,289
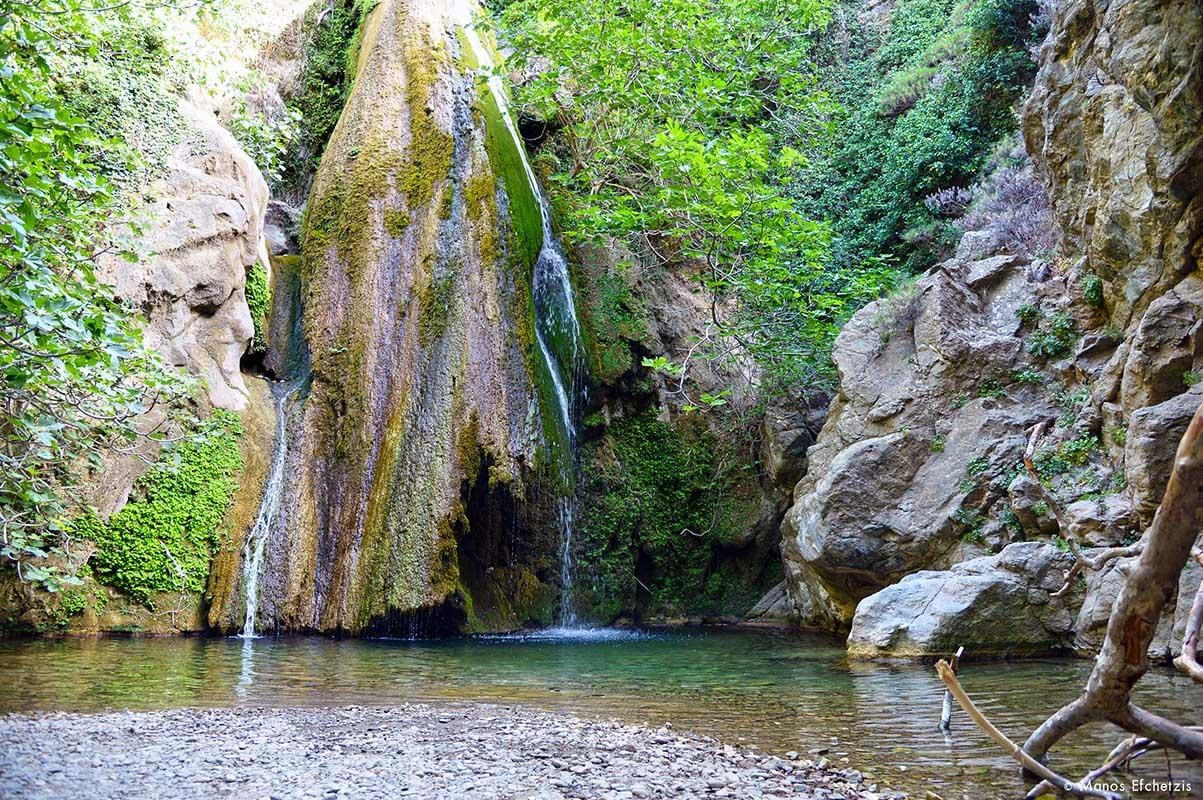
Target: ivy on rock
x,y
162,540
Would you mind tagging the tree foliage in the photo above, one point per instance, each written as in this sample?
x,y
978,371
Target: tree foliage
x,y
76,375
682,124
923,103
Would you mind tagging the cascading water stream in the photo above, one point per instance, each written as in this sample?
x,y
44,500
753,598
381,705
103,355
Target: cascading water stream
x,y
269,508
555,321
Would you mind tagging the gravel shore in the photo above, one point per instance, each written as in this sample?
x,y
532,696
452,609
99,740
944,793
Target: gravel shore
x,y
464,751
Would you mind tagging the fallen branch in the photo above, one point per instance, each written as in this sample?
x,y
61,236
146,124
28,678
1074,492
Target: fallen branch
x,y
945,671
1151,582
946,711
1188,660
1083,564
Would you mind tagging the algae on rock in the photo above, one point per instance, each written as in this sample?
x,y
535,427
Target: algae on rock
x,y
417,461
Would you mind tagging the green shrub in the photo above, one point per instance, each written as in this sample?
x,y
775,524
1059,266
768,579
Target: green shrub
x,y
1053,461
163,540
1055,338
1028,314
87,119
1092,289
1028,376
991,388
924,105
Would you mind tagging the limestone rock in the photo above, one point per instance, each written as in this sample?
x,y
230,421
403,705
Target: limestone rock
x,y
1101,522
1152,440
1103,587
920,437
1115,119
206,232
422,436
787,435
999,605
772,609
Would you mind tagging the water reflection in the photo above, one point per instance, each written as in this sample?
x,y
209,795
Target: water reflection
x,y
779,692
246,675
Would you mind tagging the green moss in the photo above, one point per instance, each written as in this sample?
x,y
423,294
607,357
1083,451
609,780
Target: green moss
x,y
430,147
259,300
396,222
163,540
434,307
612,317
661,501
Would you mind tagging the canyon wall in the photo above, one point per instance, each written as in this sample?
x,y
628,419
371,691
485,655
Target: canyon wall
x,y
918,467
419,480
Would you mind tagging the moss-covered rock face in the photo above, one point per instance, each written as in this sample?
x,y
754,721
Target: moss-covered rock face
x,y
416,454
667,531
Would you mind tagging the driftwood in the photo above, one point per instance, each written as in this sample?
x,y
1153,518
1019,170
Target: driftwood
x,y
946,710
1187,661
944,670
1150,584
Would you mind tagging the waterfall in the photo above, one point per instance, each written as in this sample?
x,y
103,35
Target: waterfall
x,y
555,321
269,508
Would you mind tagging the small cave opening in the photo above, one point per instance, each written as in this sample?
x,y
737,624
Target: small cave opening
x,y
505,543
535,131
434,622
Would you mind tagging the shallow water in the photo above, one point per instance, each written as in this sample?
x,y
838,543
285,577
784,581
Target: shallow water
x,y
778,691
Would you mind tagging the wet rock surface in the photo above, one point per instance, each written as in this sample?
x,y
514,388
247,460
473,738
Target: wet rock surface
x,y
408,751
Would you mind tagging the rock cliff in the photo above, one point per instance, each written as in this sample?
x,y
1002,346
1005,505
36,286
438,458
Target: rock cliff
x,y
418,481
918,466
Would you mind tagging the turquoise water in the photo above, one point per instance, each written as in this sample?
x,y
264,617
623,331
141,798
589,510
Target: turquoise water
x,y
779,691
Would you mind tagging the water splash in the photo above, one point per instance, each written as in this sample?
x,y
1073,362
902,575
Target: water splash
x,y
555,321
578,635
269,508
567,509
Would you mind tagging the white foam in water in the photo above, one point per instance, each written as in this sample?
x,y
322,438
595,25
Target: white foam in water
x,y
575,635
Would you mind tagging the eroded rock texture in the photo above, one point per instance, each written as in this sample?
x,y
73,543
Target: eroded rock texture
x,y
918,448
206,231
417,441
916,469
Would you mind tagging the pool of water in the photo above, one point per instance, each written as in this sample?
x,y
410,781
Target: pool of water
x,y
778,691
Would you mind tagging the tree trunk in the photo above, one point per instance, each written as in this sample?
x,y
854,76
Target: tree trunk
x,y
1151,583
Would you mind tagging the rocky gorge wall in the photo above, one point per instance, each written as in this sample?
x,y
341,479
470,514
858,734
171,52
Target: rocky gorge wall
x,y
917,477
417,479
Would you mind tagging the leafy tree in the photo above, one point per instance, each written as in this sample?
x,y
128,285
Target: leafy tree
x,y
77,378
682,125
923,101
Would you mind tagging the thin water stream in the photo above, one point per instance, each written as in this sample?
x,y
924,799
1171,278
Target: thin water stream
x,y
269,507
555,321
780,692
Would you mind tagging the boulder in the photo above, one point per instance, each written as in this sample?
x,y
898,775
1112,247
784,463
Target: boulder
x,y
1103,587
921,439
1105,521
1152,440
772,609
1000,605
